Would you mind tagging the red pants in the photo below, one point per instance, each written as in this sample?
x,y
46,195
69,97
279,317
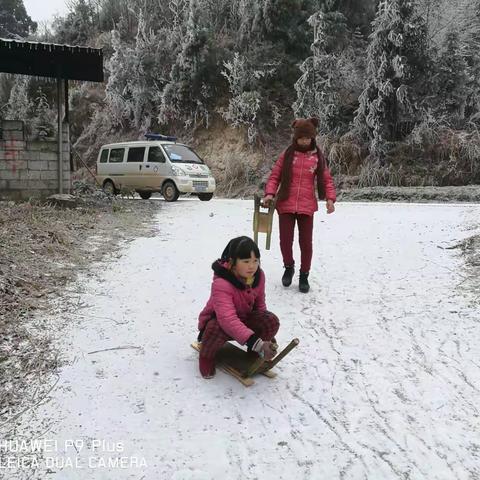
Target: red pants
x,y
264,324
305,233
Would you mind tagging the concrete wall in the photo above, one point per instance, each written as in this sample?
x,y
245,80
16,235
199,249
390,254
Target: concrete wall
x,y
29,168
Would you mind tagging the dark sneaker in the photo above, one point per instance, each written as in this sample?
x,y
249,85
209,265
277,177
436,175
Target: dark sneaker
x,y
287,276
303,284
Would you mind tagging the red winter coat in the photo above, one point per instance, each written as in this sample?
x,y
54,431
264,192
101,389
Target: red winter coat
x,y
301,196
231,301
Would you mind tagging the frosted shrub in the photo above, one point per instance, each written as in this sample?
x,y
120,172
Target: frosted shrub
x,y
43,122
242,110
19,105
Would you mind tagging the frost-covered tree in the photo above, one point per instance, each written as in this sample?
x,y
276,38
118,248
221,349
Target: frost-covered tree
x,y
80,23
186,94
248,21
452,81
318,89
246,100
44,117
472,57
138,71
332,78
359,15
179,11
14,20
395,70
19,105
119,94
142,82
432,13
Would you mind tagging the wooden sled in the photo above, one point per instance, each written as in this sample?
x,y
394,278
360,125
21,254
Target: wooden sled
x,y
244,365
262,221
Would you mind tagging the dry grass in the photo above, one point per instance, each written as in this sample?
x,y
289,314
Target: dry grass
x,y
432,155
345,154
235,175
372,174
450,157
237,167
42,248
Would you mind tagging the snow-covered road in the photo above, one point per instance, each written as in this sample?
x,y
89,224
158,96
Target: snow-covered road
x,y
385,383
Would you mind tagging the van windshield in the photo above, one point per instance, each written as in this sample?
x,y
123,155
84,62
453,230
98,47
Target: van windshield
x,y
181,154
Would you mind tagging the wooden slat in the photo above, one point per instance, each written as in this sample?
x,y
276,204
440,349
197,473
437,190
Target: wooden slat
x,y
248,382
228,347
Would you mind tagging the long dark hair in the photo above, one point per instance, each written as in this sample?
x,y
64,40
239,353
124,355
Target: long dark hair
x,y
287,171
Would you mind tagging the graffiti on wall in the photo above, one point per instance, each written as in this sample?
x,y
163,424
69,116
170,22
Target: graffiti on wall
x,y
12,155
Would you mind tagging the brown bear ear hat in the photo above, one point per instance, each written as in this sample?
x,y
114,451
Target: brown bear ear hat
x,y
305,127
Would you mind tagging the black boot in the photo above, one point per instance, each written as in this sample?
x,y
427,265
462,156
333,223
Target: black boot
x,y
287,276
303,284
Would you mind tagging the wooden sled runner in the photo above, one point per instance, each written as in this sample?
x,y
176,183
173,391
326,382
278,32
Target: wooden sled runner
x,y
262,221
244,365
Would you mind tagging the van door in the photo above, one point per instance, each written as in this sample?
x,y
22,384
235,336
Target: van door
x,y
134,167
116,166
156,168
102,168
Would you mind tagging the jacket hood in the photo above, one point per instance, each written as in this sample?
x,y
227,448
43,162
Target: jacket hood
x,y
221,271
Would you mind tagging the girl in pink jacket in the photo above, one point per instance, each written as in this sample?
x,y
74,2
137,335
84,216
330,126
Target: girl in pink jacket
x,y
236,308
292,181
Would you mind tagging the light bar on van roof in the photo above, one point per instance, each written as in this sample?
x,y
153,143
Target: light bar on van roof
x,y
157,136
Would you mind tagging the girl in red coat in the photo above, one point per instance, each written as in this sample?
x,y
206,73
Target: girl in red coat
x,y
292,181
236,308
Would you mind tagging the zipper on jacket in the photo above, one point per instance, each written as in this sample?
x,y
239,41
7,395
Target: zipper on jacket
x,y
299,185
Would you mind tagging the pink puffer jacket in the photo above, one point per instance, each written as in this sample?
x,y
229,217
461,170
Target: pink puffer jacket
x,y
231,301
301,198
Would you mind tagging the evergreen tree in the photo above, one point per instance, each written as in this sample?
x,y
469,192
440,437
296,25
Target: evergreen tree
x,y
119,94
80,24
395,70
472,57
14,21
452,80
185,96
318,89
358,15
19,106
432,12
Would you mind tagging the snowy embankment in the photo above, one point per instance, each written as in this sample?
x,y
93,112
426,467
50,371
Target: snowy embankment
x,y
384,385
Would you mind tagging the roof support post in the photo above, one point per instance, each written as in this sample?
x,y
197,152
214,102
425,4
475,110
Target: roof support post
x,y
67,111
60,134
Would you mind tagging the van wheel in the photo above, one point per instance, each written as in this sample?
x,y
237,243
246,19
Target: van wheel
x,y
109,188
170,192
205,197
145,195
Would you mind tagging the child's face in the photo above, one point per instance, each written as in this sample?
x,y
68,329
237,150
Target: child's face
x,y
304,141
246,267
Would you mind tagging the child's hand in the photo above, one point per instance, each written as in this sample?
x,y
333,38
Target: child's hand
x,y
269,350
267,201
330,206
265,349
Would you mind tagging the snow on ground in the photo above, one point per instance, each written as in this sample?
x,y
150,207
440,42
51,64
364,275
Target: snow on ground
x,y
384,384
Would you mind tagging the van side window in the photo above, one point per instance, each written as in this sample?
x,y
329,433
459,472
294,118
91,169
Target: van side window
x,y
104,156
116,155
155,154
135,154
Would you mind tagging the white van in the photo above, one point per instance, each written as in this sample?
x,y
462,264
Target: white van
x,y
158,164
